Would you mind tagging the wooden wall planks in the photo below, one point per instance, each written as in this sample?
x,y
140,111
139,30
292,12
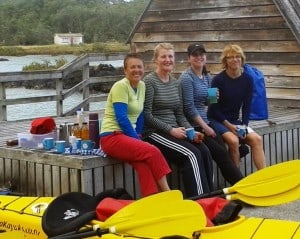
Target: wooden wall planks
x,y
263,28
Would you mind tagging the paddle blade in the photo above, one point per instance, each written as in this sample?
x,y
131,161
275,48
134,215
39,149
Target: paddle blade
x,y
158,215
179,223
281,198
269,181
138,208
271,187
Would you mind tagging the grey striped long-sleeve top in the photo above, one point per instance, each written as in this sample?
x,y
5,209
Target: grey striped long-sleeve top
x,y
163,108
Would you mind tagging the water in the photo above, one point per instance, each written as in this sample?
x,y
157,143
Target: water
x,y
32,110
41,109
16,63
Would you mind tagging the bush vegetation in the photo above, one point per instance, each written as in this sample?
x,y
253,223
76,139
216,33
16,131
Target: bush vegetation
x,y
45,65
104,47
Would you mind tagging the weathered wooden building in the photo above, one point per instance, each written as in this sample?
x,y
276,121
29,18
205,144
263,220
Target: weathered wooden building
x,y
267,30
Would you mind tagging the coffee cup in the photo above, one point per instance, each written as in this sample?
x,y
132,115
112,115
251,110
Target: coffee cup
x,y
190,133
60,146
87,145
241,131
48,143
78,143
212,95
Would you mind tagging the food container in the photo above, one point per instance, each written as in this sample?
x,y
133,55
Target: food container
x,y
33,141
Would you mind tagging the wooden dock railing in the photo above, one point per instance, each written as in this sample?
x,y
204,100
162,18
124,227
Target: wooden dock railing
x,y
37,172
58,76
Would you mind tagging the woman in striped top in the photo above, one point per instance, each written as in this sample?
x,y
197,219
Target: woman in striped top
x,y
195,81
165,125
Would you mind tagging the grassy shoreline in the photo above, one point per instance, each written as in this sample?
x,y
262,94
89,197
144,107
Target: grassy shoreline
x,y
103,47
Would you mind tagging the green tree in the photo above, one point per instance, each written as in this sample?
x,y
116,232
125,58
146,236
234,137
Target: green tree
x,y
29,22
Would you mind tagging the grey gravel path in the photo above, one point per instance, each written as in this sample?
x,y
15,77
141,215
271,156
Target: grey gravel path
x,y
289,211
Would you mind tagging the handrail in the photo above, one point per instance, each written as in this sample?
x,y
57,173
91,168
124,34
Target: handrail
x,y
80,63
30,75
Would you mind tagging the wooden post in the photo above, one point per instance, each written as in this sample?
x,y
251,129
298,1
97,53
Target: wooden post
x,y
59,99
3,113
86,89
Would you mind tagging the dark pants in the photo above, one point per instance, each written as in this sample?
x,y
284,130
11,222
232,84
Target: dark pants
x,y
220,155
193,160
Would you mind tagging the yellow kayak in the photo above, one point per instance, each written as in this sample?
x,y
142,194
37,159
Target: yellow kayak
x,y
12,235
254,228
23,215
244,228
20,217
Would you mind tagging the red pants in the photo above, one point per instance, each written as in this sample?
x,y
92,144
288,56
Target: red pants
x,y
145,158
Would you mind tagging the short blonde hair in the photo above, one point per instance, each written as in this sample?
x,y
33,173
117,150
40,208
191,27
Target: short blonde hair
x,y
231,50
160,46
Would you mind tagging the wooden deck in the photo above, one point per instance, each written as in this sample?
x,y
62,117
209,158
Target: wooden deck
x,y
277,116
37,172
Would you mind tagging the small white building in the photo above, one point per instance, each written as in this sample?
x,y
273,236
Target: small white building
x,y
68,38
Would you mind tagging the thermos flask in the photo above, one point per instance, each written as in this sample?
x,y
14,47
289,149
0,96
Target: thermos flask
x,y
94,129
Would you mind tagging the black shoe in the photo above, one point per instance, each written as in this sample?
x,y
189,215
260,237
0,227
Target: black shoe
x,y
228,214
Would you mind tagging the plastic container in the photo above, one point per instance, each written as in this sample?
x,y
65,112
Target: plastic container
x,y
80,117
73,143
76,130
85,131
33,141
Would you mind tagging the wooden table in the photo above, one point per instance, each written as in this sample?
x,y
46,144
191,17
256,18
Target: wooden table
x,y
37,172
